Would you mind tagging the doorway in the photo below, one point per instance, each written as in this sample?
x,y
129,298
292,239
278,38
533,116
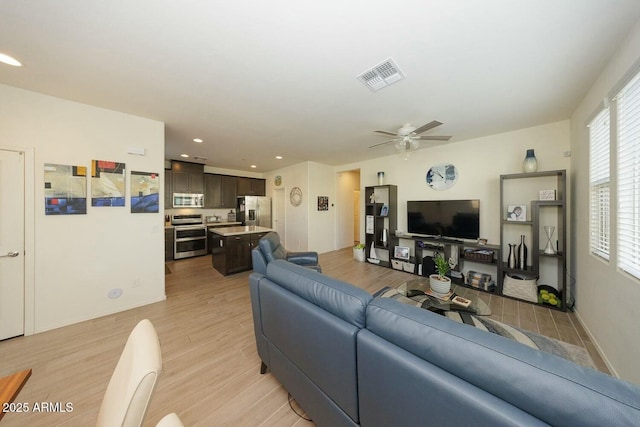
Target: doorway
x,y
12,265
279,214
348,212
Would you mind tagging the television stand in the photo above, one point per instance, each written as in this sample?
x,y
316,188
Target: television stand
x,y
451,240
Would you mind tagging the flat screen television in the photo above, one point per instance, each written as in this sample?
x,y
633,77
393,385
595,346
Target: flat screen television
x,y
457,219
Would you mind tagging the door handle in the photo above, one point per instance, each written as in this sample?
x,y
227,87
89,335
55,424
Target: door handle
x,y
11,254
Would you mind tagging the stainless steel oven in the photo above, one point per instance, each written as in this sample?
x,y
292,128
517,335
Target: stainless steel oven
x,y
190,236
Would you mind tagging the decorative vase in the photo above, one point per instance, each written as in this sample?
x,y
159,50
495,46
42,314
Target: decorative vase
x,y
549,229
358,254
385,237
522,254
372,251
380,178
530,163
511,260
439,285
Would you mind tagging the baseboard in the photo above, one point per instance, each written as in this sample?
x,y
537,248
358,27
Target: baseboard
x,y
596,345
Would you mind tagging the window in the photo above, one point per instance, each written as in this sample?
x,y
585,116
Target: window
x,y
628,126
599,182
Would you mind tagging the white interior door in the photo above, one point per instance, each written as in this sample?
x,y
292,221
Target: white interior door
x,y
278,214
11,244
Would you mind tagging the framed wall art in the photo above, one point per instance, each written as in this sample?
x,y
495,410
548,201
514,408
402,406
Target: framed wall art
x,y
107,183
145,192
65,189
323,203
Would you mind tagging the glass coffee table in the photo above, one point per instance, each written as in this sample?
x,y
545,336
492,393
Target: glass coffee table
x,y
415,290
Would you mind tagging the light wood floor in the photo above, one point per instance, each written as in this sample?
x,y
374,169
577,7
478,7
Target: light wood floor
x,y
210,366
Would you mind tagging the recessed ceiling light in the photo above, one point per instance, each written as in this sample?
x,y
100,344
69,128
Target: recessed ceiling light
x,y
9,60
254,166
184,155
198,140
279,157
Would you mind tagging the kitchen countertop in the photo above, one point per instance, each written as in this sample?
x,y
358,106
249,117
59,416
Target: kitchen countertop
x,y
237,230
208,224
222,223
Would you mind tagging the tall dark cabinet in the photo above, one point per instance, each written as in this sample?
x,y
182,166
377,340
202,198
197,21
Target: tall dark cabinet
x,y
381,222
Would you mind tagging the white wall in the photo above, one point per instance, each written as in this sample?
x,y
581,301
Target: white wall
x,y
296,217
322,224
480,162
606,299
79,258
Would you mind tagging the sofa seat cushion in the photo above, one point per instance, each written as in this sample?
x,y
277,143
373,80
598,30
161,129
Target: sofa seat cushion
x,y
565,393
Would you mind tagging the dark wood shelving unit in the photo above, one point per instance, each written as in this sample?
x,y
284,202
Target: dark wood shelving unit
x,y
523,189
376,197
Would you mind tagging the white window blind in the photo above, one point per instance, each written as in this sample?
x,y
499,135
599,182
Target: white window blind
x,y
628,110
599,181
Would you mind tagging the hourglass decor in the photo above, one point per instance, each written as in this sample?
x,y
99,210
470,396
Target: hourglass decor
x,y
549,229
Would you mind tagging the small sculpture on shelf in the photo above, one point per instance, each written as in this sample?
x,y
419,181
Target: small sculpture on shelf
x,y
549,229
511,260
522,254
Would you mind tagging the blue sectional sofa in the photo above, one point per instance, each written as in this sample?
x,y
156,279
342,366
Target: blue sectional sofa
x,y
350,359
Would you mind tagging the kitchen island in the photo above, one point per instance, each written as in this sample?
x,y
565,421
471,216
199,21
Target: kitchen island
x,y
231,247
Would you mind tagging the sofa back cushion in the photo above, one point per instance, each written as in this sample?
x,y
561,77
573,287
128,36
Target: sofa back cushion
x,y
258,261
473,362
271,248
339,298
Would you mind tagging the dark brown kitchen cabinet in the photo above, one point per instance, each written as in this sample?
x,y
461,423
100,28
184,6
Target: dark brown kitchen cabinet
x,y
219,191
168,244
187,177
232,254
239,253
251,186
212,193
168,188
228,187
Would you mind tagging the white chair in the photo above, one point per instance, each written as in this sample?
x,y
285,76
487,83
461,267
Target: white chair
x,y
129,391
170,420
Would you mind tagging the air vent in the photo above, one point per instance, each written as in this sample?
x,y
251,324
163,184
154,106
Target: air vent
x,y
382,75
202,159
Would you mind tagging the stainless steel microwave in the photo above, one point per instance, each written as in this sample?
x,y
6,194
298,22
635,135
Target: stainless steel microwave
x,y
188,200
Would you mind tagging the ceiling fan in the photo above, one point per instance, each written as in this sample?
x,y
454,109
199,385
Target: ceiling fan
x,y
408,137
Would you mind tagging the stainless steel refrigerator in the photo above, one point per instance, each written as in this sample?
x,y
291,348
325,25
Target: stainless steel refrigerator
x,y
254,210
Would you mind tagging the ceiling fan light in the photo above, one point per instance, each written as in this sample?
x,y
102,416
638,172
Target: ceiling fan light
x,y
406,129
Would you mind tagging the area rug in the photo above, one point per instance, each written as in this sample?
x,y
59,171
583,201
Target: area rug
x,y
574,353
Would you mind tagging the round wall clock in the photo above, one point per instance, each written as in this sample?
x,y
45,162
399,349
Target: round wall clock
x,y
295,196
442,176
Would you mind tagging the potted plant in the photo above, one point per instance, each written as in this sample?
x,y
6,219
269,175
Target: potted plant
x,y
358,252
439,282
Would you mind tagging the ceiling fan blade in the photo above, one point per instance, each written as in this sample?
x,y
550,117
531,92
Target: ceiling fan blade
x,y
434,138
384,132
382,143
427,127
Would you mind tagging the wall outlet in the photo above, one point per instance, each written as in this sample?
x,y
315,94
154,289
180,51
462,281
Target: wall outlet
x,y
567,153
135,283
114,293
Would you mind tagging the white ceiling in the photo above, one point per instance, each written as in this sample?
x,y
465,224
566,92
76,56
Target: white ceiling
x,y
256,79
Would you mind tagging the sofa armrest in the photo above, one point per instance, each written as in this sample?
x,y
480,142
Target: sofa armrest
x,y
303,258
